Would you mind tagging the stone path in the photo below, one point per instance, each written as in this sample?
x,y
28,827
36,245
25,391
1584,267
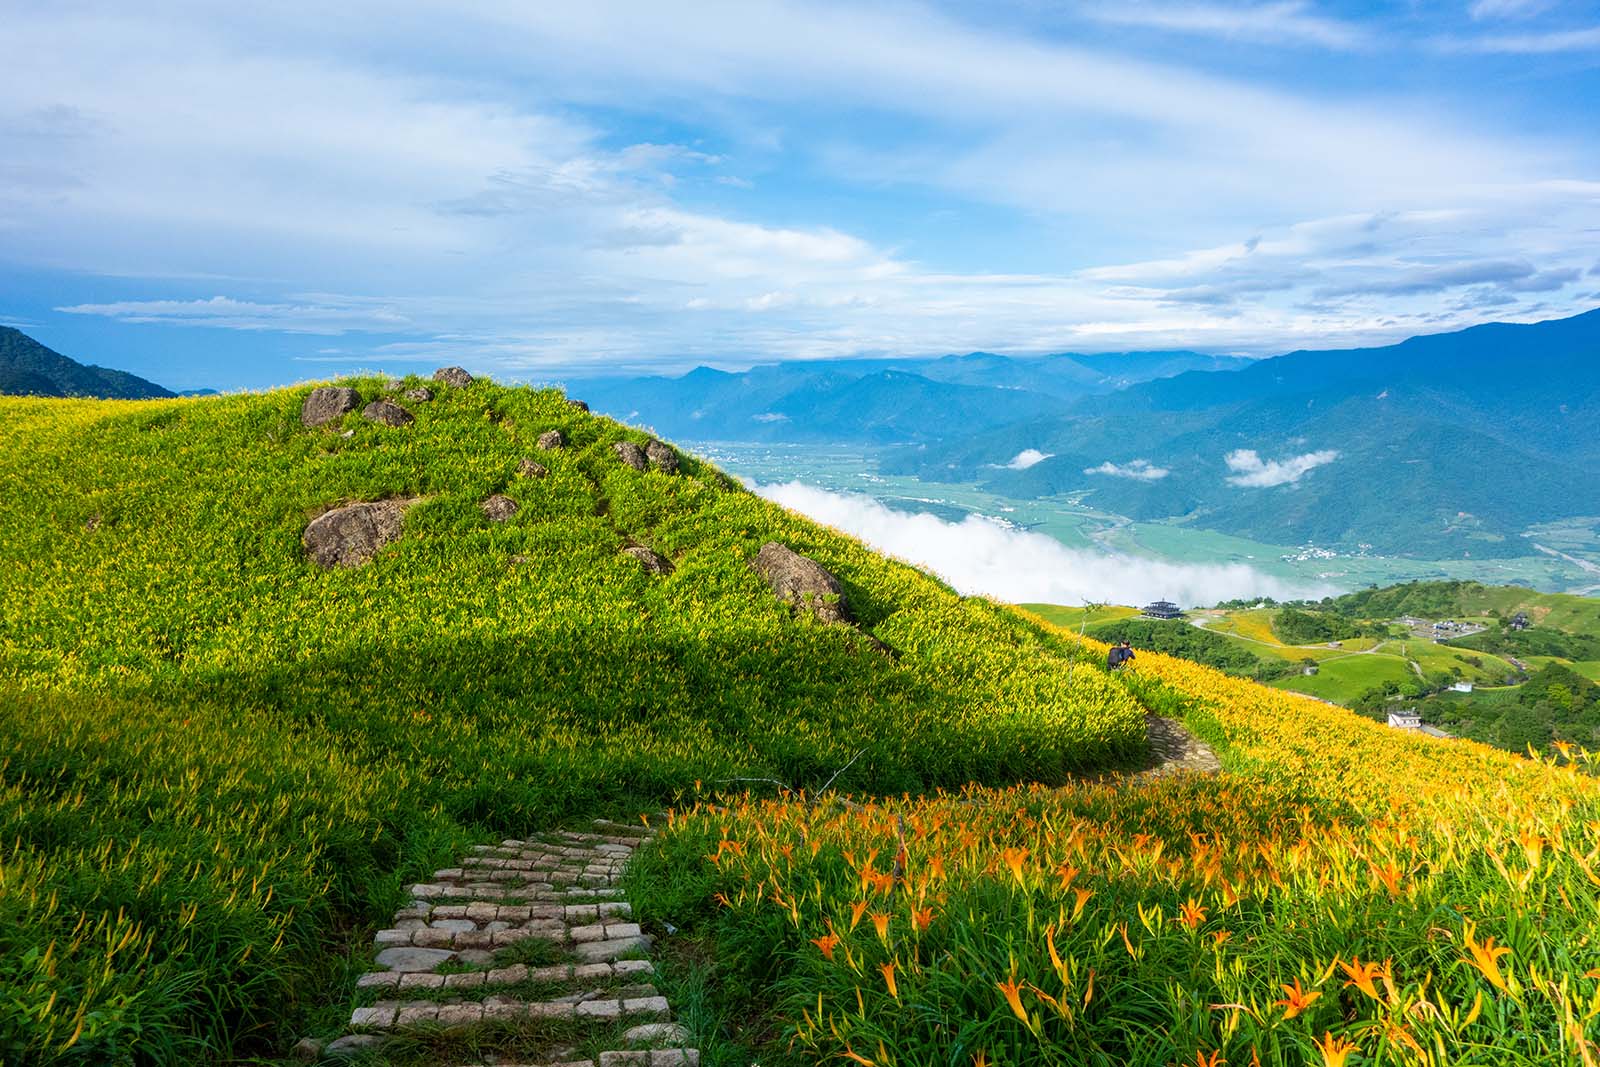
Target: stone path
x,y
533,937
1173,748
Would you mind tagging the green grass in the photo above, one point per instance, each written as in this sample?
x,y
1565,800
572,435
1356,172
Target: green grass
x,y
1070,618
218,762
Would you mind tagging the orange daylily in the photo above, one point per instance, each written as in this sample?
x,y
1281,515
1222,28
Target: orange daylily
x,y
1014,859
858,909
826,943
1486,956
888,979
1335,1050
1362,974
881,923
1296,1000
1191,914
1013,996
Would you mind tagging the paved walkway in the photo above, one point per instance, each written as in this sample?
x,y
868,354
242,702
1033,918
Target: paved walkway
x,y
1173,748
531,937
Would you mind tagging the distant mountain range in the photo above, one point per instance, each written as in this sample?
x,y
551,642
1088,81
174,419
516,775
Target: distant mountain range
x,y
1437,447
28,368
878,401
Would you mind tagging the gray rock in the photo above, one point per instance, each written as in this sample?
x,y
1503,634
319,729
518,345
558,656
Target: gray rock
x,y
661,457
386,413
580,405
551,440
454,377
499,507
351,1046
658,1034
649,560
612,948
631,454
529,469
408,960
420,395
351,535
308,1049
326,403
392,384
802,582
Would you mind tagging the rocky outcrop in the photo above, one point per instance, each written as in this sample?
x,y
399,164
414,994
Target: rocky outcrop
x,y
420,395
580,405
386,413
551,440
529,469
802,582
455,377
351,535
326,403
631,455
661,457
650,561
499,507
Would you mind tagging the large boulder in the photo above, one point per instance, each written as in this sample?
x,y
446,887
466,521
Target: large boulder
x,y
551,440
661,457
326,403
499,507
455,377
650,561
351,535
386,413
631,454
802,582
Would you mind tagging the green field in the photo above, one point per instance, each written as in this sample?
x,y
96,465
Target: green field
x,y
219,762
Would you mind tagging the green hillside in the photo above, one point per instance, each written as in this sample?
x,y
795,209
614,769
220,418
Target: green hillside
x,y
219,761
28,368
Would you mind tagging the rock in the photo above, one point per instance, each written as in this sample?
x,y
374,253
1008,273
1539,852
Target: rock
x,y
409,960
580,405
651,561
499,507
351,535
420,395
551,440
455,377
661,457
327,403
392,384
656,1034
631,454
529,469
308,1049
351,1046
802,582
386,413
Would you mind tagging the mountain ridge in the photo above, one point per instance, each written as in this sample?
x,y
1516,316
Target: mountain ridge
x,y
29,368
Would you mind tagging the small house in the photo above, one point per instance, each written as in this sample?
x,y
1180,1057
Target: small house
x,y
1461,687
1163,609
1405,720
1519,621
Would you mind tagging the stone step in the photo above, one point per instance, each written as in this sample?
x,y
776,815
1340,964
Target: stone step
x,y
506,976
412,1014
661,1057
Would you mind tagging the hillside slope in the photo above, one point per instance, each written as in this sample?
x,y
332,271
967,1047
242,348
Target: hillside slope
x,y
225,758
28,368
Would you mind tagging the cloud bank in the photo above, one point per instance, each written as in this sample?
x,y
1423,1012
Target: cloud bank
x,y
983,556
1254,472
1139,469
1028,457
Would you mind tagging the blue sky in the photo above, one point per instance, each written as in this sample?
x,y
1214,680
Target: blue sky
x,y
245,198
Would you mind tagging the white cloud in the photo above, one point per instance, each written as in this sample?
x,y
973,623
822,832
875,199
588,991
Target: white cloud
x,y
1528,44
1272,23
1508,9
1028,457
1139,470
1251,470
985,556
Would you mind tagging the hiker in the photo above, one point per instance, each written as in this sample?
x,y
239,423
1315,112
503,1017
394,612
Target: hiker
x,y
1119,655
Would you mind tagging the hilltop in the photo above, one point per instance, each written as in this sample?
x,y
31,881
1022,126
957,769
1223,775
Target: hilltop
x,y
231,756
28,368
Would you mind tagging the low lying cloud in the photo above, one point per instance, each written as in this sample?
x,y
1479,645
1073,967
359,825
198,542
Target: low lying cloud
x,y
984,556
1252,471
1028,457
1139,469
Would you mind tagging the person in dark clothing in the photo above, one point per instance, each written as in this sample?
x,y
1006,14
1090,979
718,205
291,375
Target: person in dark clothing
x,y
1119,655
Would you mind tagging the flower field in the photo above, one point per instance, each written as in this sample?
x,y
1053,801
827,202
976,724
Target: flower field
x,y
219,763
1340,895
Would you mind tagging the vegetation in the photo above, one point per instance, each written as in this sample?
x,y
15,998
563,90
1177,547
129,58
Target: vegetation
x,y
219,762
1192,643
1296,627
1342,894
28,368
1555,704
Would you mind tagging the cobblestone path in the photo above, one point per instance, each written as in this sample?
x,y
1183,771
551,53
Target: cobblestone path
x,y
532,937
1173,748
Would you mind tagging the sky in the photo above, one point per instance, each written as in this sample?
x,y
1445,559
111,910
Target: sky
x,y
219,196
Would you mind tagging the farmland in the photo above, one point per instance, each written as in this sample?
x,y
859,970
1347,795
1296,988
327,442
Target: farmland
x,y
1341,894
219,762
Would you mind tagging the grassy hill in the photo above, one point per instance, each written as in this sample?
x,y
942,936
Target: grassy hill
x,y
219,762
